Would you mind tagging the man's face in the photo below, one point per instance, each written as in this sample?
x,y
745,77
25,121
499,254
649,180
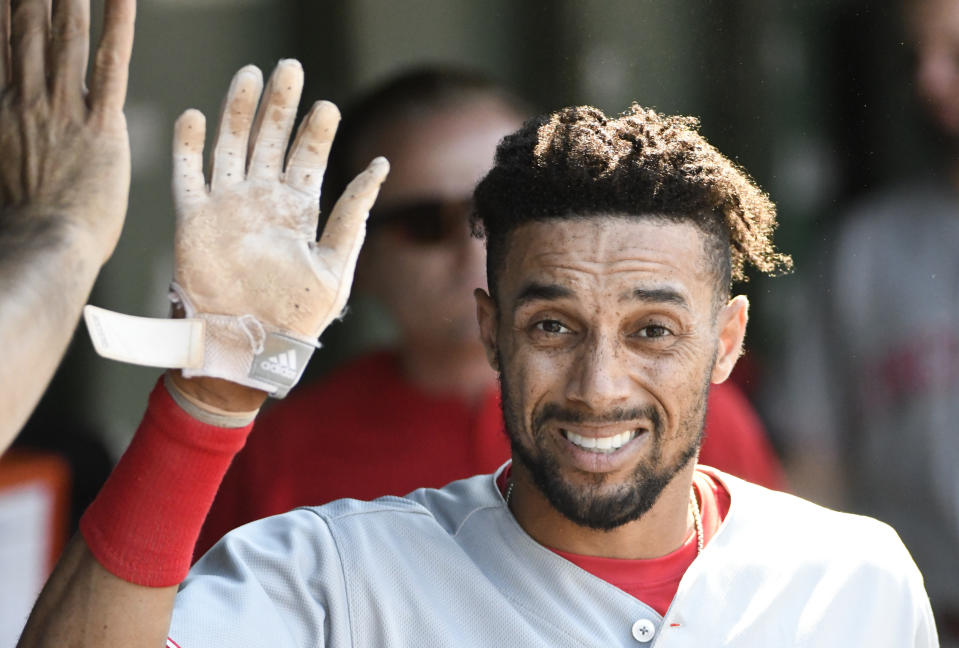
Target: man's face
x,y
935,28
607,338
423,264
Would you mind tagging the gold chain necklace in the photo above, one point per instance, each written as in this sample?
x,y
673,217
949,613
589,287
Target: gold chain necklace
x,y
693,505
697,521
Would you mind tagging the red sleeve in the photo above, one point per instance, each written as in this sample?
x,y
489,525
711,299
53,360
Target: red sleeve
x,y
143,524
228,511
275,471
735,440
237,502
268,476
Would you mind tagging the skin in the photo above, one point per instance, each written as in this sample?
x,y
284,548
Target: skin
x,y
64,179
82,603
934,25
569,333
427,289
592,362
603,365
935,30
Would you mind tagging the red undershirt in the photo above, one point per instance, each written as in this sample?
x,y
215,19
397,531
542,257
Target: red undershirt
x,y
655,581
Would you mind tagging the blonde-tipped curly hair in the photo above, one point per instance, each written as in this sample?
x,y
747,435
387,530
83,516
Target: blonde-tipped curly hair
x,y
578,162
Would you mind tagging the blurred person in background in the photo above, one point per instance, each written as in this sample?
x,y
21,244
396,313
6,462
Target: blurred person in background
x,y
426,411
868,396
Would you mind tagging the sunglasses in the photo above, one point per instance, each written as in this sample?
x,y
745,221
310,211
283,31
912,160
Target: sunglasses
x,y
424,222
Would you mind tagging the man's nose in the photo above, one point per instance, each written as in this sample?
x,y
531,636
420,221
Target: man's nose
x,y
600,377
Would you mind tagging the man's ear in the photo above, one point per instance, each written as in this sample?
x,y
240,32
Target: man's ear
x,y
487,317
732,329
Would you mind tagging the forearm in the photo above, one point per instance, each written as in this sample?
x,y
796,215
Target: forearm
x,y
46,273
117,580
85,605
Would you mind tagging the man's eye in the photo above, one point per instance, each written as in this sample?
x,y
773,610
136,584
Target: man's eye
x,y
654,331
552,326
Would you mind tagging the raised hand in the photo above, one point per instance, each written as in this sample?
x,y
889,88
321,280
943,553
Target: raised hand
x,y
246,244
65,162
64,179
246,254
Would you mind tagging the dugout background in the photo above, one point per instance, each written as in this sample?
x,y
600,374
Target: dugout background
x,y
813,98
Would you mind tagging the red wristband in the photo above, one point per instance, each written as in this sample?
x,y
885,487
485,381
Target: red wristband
x,y
146,519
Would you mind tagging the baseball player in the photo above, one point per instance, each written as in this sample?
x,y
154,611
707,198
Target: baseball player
x,y
612,244
434,390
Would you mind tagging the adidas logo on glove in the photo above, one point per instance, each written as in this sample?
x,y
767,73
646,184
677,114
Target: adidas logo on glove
x,y
281,361
281,365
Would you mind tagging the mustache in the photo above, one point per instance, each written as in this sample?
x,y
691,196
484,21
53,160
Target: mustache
x,y
560,414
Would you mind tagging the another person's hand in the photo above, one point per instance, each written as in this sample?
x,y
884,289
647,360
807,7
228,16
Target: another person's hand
x,y
64,150
64,180
246,255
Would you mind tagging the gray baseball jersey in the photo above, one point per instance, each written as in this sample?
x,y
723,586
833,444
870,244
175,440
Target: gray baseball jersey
x,y
451,567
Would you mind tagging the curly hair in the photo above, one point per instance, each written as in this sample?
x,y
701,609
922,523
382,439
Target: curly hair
x,y
578,162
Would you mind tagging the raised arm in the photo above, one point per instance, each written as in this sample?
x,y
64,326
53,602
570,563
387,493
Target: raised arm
x,y
248,264
64,178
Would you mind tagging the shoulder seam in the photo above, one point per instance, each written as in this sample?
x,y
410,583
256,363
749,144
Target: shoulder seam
x,y
343,576
466,519
415,509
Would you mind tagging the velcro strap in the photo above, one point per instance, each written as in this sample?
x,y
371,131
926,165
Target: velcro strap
x,y
172,343
240,349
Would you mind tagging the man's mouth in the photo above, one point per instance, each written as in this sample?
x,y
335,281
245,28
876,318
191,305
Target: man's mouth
x,y
602,445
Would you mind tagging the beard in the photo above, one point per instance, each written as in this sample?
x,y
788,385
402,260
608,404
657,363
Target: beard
x,y
595,505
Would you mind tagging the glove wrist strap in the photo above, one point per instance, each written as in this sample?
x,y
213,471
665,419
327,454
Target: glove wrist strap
x,y
246,351
238,348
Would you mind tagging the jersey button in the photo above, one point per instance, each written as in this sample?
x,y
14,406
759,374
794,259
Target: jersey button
x,y
643,630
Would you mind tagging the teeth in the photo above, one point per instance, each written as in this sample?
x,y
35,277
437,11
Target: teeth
x,y
603,445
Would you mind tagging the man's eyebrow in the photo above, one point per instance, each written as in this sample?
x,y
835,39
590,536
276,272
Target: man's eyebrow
x,y
658,296
540,292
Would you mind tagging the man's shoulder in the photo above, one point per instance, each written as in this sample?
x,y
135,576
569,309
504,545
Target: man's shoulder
x,y
373,528
448,507
901,207
913,193
787,525
799,572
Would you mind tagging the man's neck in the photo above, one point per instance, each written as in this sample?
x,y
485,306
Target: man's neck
x,y
658,532
462,371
